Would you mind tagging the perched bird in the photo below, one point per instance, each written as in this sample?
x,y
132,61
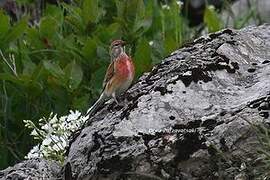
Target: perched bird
x,y
119,75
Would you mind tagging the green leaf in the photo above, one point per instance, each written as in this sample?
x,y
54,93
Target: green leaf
x,y
132,9
9,77
102,53
142,26
97,79
89,50
90,11
48,27
105,33
211,19
170,45
158,49
54,69
53,11
73,75
16,31
177,21
143,61
143,17
33,38
73,18
156,25
140,13
38,75
4,25
128,11
81,102
28,66
120,6
113,29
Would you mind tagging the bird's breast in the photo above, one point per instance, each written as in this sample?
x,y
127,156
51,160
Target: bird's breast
x,y
125,68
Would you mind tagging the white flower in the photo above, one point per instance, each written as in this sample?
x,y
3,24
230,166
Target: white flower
x,y
165,6
46,127
57,147
211,7
46,142
54,119
64,142
54,133
179,3
34,153
73,115
34,133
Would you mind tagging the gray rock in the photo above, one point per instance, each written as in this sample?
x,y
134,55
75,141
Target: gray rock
x,y
32,169
186,119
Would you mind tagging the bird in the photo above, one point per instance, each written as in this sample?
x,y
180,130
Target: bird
x,y
119,75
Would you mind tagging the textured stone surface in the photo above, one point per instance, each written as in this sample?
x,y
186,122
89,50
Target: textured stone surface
x,y
31,169
178,118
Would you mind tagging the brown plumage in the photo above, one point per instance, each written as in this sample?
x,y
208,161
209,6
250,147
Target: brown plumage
x,y
118,77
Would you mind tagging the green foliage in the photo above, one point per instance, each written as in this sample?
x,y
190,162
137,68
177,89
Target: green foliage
x,y
143,61
262,168
59,64
214,21
4,25
211,19
251,14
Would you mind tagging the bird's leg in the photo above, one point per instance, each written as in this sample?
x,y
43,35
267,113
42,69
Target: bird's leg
x,y
115,99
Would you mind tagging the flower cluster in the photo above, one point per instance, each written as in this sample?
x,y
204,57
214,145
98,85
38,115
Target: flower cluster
x,y
53,134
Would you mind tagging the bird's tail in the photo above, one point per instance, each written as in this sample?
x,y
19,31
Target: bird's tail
x,y
97,104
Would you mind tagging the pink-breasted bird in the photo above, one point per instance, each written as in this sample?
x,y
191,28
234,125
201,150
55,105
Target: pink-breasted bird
x,y
119,75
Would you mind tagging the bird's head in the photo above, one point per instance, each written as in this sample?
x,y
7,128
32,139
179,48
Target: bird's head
x,y
117,47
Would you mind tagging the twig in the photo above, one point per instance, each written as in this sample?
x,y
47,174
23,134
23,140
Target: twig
x,y
13,69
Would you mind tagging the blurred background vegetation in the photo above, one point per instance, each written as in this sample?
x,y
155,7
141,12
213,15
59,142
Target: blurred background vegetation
x,y
53,54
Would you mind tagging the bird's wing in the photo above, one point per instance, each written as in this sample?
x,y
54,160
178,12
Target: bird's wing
x,y
109,74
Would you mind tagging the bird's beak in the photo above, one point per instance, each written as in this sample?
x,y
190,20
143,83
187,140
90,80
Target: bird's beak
x,y
124,43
